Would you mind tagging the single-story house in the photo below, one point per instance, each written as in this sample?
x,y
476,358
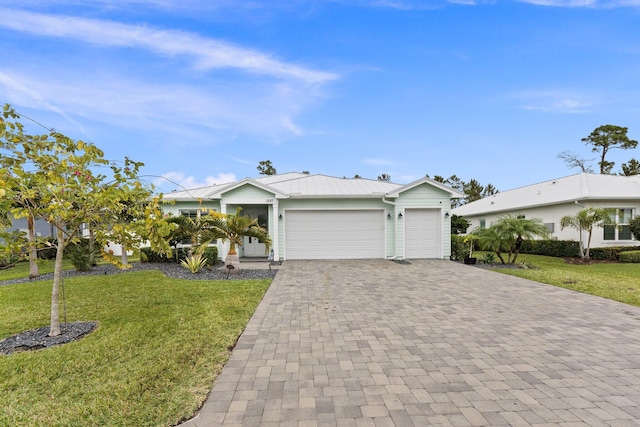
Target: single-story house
x,y
551,200
323,217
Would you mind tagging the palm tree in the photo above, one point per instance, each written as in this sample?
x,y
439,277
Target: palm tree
x,y
507,235
515,230
586,220
490,239
232,228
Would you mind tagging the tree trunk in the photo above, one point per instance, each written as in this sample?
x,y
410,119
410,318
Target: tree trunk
x,y
92,253
587,254
125,257
582,251
54,329
33,250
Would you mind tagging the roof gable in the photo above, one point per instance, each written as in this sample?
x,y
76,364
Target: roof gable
x,y
246,182
426,181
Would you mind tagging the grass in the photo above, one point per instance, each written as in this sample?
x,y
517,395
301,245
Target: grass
x,y
21,269
151,362
616,281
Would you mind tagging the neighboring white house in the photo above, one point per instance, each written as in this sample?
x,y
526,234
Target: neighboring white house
x,y
324,217
549,201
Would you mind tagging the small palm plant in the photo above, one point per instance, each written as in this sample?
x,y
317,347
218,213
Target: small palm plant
x,y
232,228
194,263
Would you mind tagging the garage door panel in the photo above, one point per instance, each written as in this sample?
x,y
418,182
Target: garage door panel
x,y
422,233
334,234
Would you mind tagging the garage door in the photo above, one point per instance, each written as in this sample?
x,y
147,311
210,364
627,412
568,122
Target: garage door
x,y
334,234
422,233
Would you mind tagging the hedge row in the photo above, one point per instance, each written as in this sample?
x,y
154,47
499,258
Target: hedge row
x,y
555,248
630,256
611,254
563,248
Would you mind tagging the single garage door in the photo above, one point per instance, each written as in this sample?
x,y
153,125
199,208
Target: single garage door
x,y
334,234
422,233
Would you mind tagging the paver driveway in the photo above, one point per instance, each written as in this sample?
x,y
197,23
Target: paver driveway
x,y
375,343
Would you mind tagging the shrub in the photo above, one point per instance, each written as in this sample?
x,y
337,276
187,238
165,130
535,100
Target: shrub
x,y
211,255
488,258
458,248
80,255
611,254
148,255
555,248
194,263
630,256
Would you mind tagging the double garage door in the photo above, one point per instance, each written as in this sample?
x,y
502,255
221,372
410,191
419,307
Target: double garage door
x,y
359,234
334,234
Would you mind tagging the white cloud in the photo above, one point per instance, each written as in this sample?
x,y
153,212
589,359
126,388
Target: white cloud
x,y
16,90
198,111
207,53
553,102
182,181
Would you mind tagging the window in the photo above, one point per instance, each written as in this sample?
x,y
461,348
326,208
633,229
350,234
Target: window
x,y
620,230
193,213
483,224
550,226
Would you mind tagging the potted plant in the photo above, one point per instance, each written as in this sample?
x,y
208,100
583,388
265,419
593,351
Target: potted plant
x,y
469,239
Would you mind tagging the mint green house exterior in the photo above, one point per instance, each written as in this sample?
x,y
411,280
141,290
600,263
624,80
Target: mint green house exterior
x,y
323,217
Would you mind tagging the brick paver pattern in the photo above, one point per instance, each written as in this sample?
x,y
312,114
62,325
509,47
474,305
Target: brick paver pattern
x,y
432,343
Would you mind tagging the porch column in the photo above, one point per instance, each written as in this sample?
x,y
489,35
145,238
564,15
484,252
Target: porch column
x,y
276,233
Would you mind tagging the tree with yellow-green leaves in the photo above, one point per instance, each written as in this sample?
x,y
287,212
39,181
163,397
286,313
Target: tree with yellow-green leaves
x,y
61,178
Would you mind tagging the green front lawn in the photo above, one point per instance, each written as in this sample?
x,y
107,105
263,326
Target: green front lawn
x,y
151,362
21,269
616,281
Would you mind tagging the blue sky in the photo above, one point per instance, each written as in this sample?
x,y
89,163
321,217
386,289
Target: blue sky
x,y
202,90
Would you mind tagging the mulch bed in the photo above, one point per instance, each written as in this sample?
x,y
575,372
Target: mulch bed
x,y
37,339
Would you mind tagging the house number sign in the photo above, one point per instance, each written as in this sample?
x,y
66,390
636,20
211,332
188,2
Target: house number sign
x,y
268,200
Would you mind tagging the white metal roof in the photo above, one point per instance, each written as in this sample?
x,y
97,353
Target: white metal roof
x,y
301,185
578,187
329,186
296,185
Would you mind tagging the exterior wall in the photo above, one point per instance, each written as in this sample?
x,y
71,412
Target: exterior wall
x,y
425,196
422,196
42,227
553,214
175,208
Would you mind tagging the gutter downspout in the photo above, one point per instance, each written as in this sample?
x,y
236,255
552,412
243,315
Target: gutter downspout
x,y
395,225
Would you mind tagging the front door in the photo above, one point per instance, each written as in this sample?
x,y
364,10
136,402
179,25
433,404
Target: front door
x,y
252,246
